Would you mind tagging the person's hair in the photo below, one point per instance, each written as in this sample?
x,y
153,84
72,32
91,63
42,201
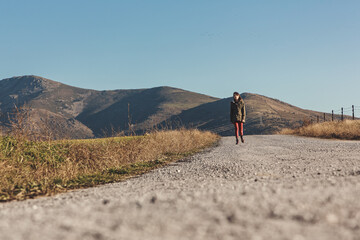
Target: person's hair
x,y
237,94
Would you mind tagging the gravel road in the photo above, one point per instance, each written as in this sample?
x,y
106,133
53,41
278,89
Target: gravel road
x,y
271,187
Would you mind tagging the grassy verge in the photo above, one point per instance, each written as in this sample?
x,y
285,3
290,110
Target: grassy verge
x,y
33,168
348,129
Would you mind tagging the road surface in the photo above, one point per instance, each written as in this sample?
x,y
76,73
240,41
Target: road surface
x,y
271,187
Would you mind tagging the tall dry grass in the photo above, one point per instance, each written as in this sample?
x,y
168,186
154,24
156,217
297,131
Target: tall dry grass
x,y
31,168
347,129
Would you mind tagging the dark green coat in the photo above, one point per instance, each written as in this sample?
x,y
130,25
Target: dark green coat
x,y
237,111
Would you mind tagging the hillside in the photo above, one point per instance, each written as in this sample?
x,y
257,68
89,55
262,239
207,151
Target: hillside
x,y
264,116
85,113
146,108
73,112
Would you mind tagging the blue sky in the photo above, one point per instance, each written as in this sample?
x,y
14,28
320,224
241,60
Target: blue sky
x,y
304,52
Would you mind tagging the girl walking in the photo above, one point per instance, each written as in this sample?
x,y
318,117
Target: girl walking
x,y
237,116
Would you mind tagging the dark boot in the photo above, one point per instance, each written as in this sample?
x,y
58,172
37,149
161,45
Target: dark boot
x,y
237,141
242,139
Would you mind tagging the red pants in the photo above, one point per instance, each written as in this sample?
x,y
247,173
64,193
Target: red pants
x,y
239,126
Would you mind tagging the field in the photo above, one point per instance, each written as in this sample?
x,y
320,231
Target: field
x,y
33,168
347,129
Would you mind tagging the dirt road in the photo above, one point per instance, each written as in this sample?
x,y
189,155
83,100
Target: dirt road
x,y
271,187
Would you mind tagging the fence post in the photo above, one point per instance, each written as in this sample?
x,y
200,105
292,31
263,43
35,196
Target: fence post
x,y
353,112
317,119
324,118
332,115
342,114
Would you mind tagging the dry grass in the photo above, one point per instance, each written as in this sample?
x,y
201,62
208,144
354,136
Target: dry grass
x,y
33,168
347,129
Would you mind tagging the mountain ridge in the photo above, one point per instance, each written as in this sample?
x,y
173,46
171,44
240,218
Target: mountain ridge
x,y
100,111
86,113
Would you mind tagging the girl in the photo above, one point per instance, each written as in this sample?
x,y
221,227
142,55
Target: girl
x,y
237,115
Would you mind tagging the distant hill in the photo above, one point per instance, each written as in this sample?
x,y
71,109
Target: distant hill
x,y
264,116
71,112
84,113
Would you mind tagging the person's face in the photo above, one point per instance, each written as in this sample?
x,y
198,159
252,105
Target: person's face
x,y
236,97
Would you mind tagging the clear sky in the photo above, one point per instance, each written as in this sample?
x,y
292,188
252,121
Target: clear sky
x,y
303,52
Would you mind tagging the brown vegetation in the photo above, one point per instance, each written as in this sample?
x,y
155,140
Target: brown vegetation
x,y
32,168
347,129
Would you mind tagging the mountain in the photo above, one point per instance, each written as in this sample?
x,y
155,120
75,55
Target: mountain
x,y
264,115
146,108
43,99
71,112
85,113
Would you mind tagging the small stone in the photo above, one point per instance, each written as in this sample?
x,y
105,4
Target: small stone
x,y
153,199
231,218
105,201
298,237
257,237
354,225
332,181
66,227
138,205
332,218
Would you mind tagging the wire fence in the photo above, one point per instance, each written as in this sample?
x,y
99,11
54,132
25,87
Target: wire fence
x,y
344,113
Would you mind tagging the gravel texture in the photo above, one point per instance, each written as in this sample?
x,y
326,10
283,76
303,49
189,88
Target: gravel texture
x,y
271,187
